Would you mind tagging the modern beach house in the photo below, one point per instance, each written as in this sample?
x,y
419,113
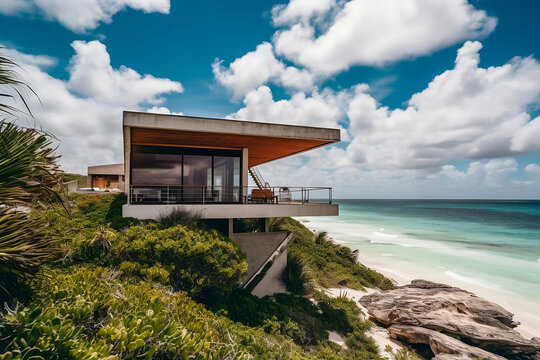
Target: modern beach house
x,y
202,165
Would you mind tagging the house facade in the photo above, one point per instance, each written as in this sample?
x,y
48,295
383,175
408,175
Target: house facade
x,y
106,177
203,165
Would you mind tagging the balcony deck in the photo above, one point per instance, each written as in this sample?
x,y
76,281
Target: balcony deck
x,y
213,202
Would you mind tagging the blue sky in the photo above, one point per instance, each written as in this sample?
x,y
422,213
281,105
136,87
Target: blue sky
x,y
435,98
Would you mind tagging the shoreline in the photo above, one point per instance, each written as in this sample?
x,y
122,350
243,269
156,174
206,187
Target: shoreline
x,y
528,327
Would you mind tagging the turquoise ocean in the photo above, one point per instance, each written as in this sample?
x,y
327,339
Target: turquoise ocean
x,y
491,248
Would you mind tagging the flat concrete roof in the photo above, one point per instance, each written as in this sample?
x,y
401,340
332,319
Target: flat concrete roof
x,y
265,141
227,126
109,169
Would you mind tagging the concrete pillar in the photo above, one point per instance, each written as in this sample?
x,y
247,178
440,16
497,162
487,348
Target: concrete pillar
x,y
245,165
89,180
121,184
231,228
127,158
264,224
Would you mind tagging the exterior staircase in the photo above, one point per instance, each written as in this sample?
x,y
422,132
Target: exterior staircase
x,y
257,178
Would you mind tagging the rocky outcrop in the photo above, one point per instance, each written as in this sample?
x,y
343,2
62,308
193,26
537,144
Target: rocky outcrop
x,y
445,309
444,346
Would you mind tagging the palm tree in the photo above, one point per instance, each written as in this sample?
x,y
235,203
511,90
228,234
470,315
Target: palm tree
x,y
29,177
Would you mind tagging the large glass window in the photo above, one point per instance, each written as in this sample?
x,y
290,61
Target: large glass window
x,y
155,166
186,175
197,178
227,178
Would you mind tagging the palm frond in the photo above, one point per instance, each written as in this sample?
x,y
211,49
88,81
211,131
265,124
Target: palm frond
x,y
28,169
12,86
296,275
321,238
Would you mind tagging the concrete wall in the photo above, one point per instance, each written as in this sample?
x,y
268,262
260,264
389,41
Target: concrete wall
x,y
272,282
109,169
237,211
258,247
71,186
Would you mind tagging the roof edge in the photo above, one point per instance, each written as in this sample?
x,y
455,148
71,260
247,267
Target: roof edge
x,y
216,125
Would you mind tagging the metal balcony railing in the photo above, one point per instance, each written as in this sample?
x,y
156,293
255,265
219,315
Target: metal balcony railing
x,y
208,194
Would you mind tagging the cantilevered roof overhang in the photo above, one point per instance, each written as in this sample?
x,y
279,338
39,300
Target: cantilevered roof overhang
x,y
265,141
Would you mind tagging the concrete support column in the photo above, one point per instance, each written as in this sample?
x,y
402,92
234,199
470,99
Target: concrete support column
x,y
245,165
264,224
231,228
127,159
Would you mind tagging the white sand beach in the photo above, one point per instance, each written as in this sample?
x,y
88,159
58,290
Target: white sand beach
x,y
525,311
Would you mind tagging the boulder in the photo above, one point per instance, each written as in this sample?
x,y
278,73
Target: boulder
x,y
442,346
454,311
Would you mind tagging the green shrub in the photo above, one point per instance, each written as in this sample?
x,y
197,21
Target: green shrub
x,y
90,314
179,216
247,225
296,275
330,264
294,317
403,354
361,346
81,179
321,238
201,262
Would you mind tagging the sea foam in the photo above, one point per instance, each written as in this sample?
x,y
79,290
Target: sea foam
x,y
477,282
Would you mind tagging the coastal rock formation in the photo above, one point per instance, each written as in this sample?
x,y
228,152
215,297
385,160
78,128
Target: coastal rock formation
x,y
444,346
450,310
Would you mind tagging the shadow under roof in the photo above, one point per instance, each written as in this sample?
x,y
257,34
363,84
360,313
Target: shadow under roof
x,y
265,141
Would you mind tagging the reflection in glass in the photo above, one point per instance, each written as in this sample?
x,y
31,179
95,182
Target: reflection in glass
x,y
163,174
156,169
197,178
227,178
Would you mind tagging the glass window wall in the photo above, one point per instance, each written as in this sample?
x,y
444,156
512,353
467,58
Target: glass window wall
x,y
186,175
227,178
197,180
153,166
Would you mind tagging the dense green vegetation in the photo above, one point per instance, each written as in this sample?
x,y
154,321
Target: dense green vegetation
x,y
81,179
132,289
329,264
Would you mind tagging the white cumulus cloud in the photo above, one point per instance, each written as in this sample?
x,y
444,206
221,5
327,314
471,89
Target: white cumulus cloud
x,y
257,68
300,11
87,118
480,115
324,109
162,110
468,112
533,169
92,75
82,15
373,32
